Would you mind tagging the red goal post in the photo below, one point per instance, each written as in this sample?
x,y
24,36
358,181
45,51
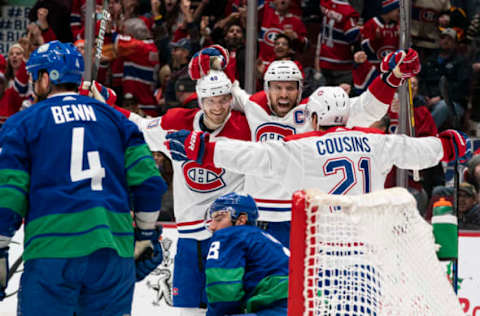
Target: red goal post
x,y
370,254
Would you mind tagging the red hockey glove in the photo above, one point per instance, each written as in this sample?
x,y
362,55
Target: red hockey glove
x,y
98,92
211,57
399,65
455,145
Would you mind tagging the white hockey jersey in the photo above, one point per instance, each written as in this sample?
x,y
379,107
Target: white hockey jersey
x,y
273,201
338,161
195,187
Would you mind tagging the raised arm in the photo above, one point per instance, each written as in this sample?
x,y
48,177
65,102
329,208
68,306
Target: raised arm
x,y
373,104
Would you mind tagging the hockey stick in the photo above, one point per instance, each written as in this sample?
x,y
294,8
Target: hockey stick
x,y
101,38
416,173
444,93
12,270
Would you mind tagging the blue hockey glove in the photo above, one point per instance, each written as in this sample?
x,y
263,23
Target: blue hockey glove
x,y
148,261
151,255
3,271
185,145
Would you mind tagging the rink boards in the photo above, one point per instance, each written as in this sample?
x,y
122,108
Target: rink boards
x,y
153,295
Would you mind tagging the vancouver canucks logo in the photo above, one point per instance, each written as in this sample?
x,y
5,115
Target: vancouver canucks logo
x,y
273,131
203,179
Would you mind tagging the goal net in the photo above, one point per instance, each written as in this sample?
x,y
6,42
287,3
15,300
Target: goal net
x,y
370,254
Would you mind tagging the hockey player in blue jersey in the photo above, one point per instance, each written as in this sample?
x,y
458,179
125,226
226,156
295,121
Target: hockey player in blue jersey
x,y
246,269
72,168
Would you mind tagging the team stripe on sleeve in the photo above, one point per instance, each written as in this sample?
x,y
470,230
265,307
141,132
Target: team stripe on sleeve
x,y
13,190
139,164
225,285
273,288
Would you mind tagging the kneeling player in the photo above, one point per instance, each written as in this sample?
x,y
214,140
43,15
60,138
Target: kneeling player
x,y
246,269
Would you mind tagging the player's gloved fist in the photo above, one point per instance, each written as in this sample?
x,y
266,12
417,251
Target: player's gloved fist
x,y
455,145
150,254
400,65
185,145
212,57
3,271
98,92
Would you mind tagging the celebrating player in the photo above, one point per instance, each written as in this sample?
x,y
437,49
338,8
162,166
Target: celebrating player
x,y
277,112
246,267
337,159
196,186
68,166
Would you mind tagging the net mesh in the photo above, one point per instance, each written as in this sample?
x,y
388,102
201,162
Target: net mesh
x,y
372,255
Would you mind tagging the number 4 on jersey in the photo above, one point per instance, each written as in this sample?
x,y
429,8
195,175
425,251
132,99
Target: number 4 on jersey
x,y
95,170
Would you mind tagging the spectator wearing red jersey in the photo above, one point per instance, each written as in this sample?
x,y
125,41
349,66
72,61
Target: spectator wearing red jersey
x,y
282,47
339,32
77,16
10,97
380,33
140,62
277,19
16,56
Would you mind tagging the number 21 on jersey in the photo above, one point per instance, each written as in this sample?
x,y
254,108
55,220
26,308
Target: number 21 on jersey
x,y
349,170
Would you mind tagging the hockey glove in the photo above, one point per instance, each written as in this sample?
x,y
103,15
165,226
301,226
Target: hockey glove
x,y
3,271
148,251
98,92
185,145
211,57
399,65
455,145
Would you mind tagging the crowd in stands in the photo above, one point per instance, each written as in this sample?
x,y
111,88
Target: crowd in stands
x,y
148,45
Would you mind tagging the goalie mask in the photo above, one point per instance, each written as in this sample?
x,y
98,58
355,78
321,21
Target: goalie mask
x,y
331,106
215,83
236,204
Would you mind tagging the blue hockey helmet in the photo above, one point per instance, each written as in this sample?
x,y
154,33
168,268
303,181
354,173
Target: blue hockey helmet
x,y
62,61
236,204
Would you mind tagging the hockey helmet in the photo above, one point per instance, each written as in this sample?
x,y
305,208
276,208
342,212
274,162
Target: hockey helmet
x,y
283,70
62,61
330,104
213,84
236,204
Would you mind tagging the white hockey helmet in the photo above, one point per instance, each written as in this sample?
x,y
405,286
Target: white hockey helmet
x,y
330,104
283,70
212,84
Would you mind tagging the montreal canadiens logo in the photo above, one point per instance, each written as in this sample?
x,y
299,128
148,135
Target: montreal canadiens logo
x,y
428,15
384,51
273,131
201,178
270,35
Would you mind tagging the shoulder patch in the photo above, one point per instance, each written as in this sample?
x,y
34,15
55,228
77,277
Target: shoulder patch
x,y
179,118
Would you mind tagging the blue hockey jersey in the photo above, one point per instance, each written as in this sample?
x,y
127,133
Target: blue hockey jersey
x,y
246,269
70,166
